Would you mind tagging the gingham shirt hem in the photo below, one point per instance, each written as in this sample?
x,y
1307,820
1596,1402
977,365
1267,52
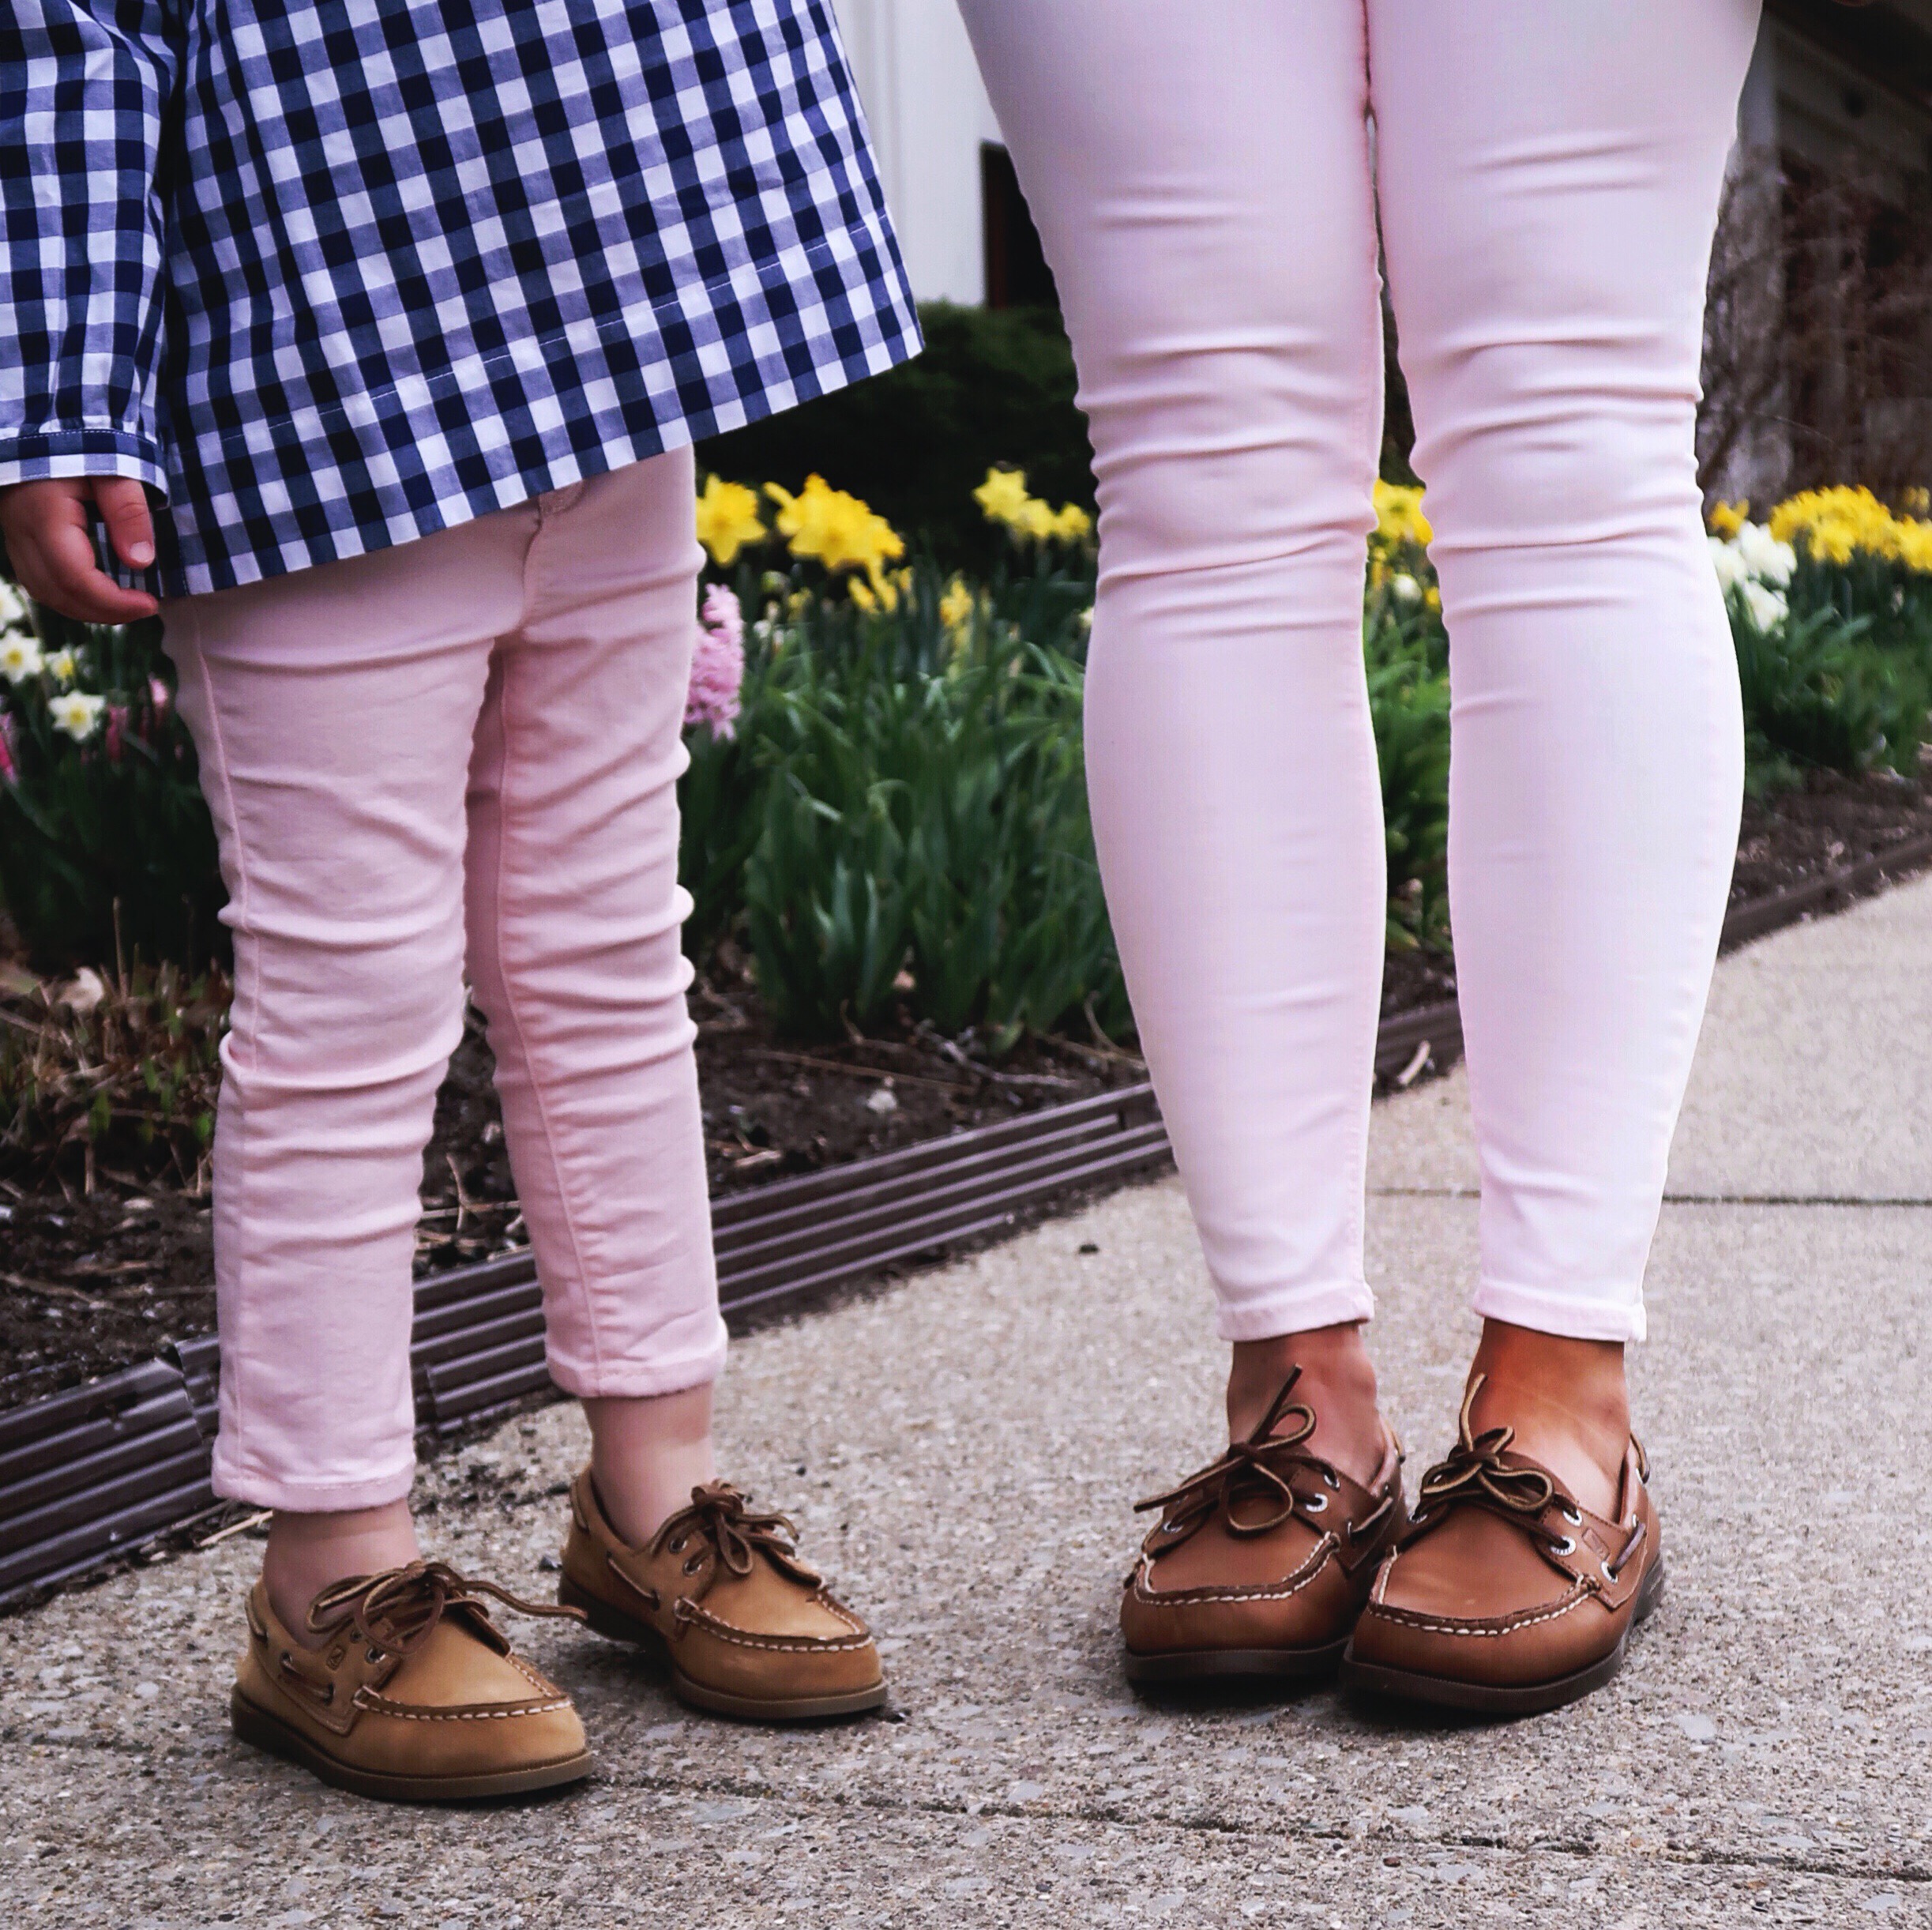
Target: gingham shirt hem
x,y
83,451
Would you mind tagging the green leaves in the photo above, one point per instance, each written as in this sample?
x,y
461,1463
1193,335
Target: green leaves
x,y
112,827
920,829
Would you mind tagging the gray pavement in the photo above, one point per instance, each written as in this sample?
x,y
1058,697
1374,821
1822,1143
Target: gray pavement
x,y
960,1449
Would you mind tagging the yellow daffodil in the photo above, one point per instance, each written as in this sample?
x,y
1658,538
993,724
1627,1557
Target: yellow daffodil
x,y
1728,518
1399,516
955,609
61,667
1836,525
728,519
880,591
836,529
1003,498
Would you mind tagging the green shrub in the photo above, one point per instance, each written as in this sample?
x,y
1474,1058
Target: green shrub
x,y
994,388
106,846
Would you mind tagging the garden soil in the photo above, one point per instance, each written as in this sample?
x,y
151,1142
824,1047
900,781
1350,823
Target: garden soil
x,y
92,1282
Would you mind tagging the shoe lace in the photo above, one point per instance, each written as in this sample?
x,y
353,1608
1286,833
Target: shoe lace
x,y
1258,1466
1474,1474
721,1515
397,1610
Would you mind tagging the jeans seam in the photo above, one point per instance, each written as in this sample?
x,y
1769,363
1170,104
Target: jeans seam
x,y
239,1113
507,978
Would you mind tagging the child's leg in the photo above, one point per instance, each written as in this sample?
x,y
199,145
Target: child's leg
x,y
334,711
574,915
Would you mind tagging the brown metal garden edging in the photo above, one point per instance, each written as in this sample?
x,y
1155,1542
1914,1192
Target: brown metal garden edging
x,y
91,1473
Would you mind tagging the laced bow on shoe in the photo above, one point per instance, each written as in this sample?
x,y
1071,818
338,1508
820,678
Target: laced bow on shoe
x,y
1474,1474
720,1514
397,1610
1257,1468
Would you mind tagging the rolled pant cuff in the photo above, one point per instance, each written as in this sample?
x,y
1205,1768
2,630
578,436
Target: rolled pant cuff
x,y
1295,1311
300,1495
635,1380
1591,1314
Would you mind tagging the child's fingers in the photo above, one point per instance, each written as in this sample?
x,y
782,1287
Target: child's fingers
x,y
123,505
50,544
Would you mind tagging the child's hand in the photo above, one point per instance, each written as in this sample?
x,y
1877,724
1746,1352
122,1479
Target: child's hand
x,y
52,551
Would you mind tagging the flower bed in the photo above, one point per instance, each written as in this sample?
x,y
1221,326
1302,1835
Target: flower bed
x,y
898,927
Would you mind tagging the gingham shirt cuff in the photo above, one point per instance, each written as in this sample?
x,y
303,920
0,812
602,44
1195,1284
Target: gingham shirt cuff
x,y
85,451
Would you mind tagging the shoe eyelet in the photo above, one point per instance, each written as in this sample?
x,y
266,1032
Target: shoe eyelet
x,y
1570,1515
1566,1546
677,1547
372,1655
696,1562
1334,1480
334,1658
1316,1504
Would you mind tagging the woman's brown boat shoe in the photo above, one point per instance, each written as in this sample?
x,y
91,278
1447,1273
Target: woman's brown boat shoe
x,y
414,1694
1504,1596
720,1597
1260,1563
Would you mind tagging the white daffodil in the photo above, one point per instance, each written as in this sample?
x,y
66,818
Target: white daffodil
x,y
13,611
1730,566
1765,608
77,713
20,658
1404,588
1764,555
61,667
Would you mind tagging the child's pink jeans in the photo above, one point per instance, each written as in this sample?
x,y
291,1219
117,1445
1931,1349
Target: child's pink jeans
x,y
464,747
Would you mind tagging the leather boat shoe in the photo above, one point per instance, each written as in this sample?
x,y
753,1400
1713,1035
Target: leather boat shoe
x,y
1260,1563
719,1597
414,1694
1505,1596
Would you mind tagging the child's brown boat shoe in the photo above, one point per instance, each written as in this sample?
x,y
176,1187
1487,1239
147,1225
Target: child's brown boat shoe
x,y
719,1597
1260,1563
414,1694
1505,1596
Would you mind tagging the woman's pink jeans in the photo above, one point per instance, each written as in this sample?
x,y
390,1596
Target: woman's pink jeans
x,y
1547,173
465,748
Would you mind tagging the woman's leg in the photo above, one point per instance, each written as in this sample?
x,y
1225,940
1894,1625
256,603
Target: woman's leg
x,y
333,710
574,914
1201,184
1549,177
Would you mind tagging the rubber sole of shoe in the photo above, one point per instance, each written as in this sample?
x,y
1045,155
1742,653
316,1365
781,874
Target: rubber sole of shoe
x,y
1214,1664
261,1730
1526,1698
619,1626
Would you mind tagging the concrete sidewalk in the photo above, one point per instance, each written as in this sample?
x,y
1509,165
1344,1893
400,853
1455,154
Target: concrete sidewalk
x,y
961,1449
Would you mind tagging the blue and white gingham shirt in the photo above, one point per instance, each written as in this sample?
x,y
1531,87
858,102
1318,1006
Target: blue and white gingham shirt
x,y
332,274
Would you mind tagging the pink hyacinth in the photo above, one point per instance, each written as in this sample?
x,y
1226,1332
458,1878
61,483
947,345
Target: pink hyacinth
x,y
718,667
117,731
157,694
9,768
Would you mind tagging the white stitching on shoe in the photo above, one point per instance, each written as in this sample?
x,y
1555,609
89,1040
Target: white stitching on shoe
x,y
1410,1617
1291,1584
809,1645
378,1704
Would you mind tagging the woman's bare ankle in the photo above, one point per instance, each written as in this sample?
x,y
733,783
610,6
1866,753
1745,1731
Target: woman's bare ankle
x,y
1337,1385
307,1553
1567,1401
646,1453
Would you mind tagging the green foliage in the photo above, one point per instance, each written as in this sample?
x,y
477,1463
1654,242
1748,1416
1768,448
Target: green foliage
x,y
914,822
1409,705
1820,694
106,836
